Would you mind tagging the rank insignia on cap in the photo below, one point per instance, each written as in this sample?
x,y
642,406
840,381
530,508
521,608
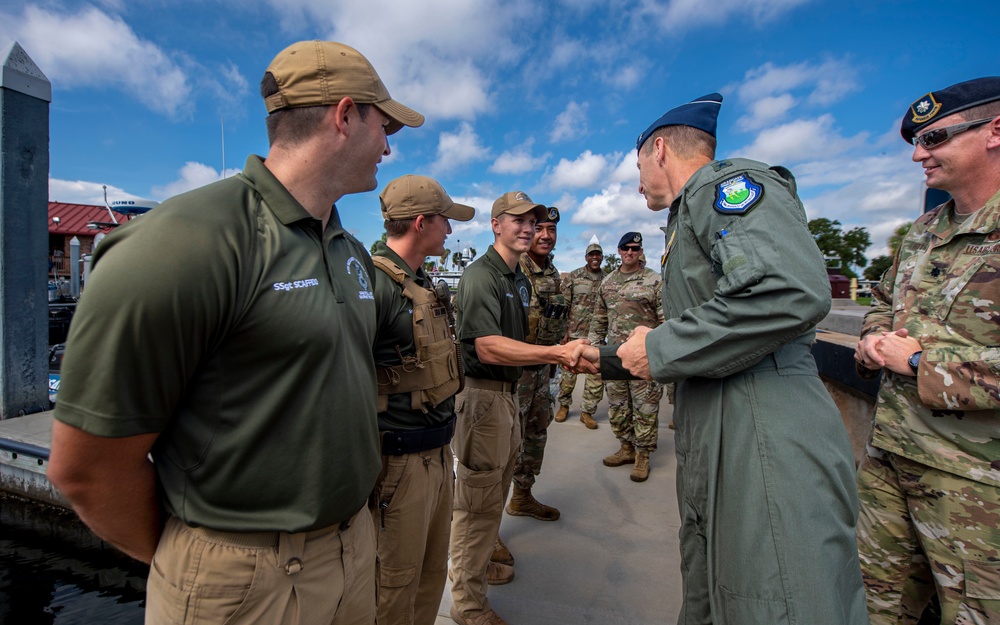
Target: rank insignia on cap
x,y
737,195
925,108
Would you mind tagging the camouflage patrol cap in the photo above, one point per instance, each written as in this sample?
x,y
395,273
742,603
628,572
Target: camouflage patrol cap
x,y
322,73
517,203
630,237
410,195
594,247
954,99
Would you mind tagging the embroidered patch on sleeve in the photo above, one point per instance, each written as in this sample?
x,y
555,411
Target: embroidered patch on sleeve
x,y
737,195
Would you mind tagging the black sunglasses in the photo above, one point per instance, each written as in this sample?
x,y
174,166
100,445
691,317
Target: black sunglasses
x,y
934,138
631,248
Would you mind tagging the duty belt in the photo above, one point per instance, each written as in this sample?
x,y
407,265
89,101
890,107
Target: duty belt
x,y
400,442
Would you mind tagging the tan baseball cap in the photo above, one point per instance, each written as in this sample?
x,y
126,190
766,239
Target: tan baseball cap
x,y
411,195
320,73
594,247
516,203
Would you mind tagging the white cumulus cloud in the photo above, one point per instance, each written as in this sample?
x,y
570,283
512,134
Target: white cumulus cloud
x,y
458,148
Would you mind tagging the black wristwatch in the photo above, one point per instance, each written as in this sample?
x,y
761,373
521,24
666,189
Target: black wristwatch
x,y
914,361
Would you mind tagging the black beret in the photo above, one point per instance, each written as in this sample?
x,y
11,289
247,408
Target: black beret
x,y
701,113
953,99
630,237
551,215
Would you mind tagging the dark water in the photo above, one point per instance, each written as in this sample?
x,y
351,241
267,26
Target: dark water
x,y
52,571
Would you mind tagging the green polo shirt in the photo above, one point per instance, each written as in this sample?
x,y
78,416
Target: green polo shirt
x,y
395,337
492,300
228,322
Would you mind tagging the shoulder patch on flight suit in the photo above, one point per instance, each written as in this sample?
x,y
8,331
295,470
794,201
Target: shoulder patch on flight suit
x,y
737,195
720,165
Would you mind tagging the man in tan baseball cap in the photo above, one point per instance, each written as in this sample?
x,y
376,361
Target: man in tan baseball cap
x,y
277,295
493,298
321,73
416,359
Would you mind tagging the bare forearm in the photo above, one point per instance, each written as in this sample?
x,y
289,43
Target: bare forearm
x,y
124,511
500,350
111,484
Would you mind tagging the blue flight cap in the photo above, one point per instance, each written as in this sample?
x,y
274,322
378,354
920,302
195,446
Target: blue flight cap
x,y
629,238
953,99
701,113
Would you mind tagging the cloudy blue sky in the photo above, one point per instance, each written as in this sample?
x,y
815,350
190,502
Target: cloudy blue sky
x,y
544,96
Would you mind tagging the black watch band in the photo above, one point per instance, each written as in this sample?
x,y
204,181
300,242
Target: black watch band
x,y
914,360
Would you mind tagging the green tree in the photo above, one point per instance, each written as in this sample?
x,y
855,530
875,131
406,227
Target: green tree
x,y
877,267
456,259
444,259
372,248
611,262
848,247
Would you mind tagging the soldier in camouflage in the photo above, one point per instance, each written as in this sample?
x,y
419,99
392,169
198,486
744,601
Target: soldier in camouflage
x,y
579,289
547,320
930,483
629,297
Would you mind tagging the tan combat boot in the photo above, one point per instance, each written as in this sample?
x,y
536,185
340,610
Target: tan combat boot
x,y
640,472
625,455
499,574
501,554
588,420
523,503
562,413
487,618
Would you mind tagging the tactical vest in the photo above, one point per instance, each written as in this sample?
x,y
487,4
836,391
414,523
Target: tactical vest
x,y
548,316
434,372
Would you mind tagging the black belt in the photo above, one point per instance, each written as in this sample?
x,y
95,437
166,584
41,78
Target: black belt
x,y
399,442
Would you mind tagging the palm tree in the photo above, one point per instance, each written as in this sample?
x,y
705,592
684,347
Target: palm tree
x,y
611,262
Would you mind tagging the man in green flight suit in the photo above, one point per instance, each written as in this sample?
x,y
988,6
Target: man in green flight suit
x,y
765,472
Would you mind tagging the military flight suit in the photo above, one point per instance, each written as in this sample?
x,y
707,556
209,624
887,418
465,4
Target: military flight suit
x,y
930,484
546,326
579,289
765,471
624,302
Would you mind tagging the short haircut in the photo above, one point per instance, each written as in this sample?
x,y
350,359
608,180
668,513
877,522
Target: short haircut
x,y
685,141
294,125
398,227
983,111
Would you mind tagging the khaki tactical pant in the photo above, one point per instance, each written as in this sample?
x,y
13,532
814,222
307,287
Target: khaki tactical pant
x,y
487,436
412,519
922,528
324,577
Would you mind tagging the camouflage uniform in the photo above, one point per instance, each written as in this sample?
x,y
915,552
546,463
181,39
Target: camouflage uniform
x,y
624,302
929,486
533,387
579,289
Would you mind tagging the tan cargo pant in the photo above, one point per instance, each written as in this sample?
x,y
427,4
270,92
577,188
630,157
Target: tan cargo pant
x,y
412,524
324,577
487,437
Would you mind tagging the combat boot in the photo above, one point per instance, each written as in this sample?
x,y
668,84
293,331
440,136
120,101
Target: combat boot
x,y
625,455
499,574
588,420
487,618
523,503
640,472
501,553
562,413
